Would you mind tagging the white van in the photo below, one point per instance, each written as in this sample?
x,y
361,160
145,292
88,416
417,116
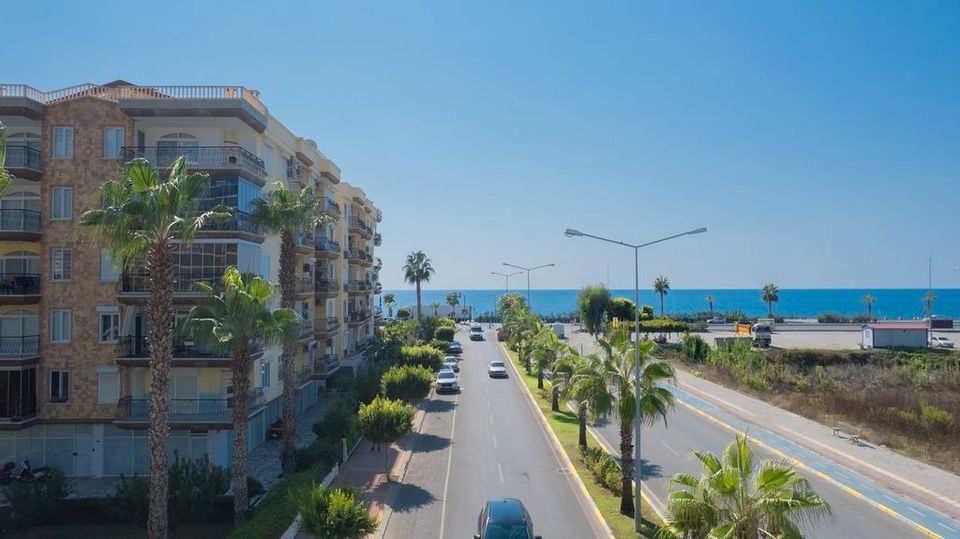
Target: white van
x,y
476,332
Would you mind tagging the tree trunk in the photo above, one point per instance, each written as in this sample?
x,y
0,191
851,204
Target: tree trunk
x,y
288,291
869,312
160,334
241,417
539,378
626,462
555,397
769,309
390,308
661,303
418,299
582,416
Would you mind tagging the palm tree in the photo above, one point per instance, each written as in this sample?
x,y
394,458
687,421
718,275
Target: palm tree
x,y
141,219
546,348
5,178
235,316
287,214
709,299
453,299
436,308
868,300
770,295
737,497
608,380
390,301
416,270
661,286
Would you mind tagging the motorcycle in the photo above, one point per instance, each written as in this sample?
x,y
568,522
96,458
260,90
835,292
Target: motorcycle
x,y
26,474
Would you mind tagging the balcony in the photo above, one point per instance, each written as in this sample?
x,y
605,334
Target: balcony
x,y
237,224
329,207
327,326
136,286
202,101
377,239
355,256
326,248
358,317
327,287
304,241
133,352
304,374
359,226
326,365
306,328
19,346
211,159
24,162
19,225
304,286
188,411
358,287
19,288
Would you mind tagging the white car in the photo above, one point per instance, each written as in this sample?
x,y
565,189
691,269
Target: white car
x,y
476,332
451,363
447,381
940,342
497,369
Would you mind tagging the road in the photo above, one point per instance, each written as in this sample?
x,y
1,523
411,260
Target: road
x,y
485,442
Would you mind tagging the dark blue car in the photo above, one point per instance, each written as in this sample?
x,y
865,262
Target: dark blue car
x,y
504,518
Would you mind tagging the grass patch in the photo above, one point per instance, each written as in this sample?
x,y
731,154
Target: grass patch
x,y
566,427
275,513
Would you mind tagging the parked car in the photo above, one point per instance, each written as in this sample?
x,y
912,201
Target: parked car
x,y
717,320
940,342
503,518
451,363
497,369
476,332
455,347
448,381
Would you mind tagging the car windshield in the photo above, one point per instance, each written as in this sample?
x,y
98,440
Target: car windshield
x,y
507,531
496,364
445,375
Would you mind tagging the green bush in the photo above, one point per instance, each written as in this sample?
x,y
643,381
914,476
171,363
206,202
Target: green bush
x,y
603,468
319,454
336,423
332,513
935,418
403,314
384,421
833,318
440,345
129,502
445,333
254,486
409,383
423,355
194,486
646,313
622,309
366,384
35,501
663,325
275,513
447,323
694,348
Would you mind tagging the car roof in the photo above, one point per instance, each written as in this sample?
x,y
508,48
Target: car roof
x,y
505,511
500,361
445,371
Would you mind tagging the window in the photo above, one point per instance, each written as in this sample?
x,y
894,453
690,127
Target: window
x,y
264,266
265,375
109,324
108,385
59,325
112,142
109,271
61,265
59,386
62,142
63,203
268,159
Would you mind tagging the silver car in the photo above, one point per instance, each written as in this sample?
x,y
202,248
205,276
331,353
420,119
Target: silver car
x,y
497,369
451,363
940,342
447,382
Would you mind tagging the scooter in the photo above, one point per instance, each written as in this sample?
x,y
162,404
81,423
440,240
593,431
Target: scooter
x,y
26,474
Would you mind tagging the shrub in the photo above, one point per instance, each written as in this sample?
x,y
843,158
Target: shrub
x,y
37,500
424,355
603,468
332,513
622,309
129,502
646,312
403,314
319,454
832,318
194,487
934,418
366,384
440,345
275,513
409,383
384,420
663,325
336,423
445,333
254,486
593,301
694,348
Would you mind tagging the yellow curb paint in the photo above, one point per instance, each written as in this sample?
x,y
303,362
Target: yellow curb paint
x,y
822,475
558,448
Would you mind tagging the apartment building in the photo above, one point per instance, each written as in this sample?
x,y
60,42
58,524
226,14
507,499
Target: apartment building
x,y
74,376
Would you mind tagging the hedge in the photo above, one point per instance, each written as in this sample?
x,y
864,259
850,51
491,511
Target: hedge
x,y
409,383
423,355
444,333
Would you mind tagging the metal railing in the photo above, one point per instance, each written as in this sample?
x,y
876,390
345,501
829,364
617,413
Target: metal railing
x,y
357,285
133,347
330,324
189,410
355,254
358,316
135,92
357,223
377,239
326,364
183,283
330,206
19,284
200,157
19,220
19,345
305,239
304,286
326,244
240,221
326,285
19,156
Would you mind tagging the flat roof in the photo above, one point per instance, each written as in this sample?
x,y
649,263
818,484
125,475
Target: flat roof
x,y
898,325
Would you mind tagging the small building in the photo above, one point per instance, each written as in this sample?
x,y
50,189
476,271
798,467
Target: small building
x,y
895,335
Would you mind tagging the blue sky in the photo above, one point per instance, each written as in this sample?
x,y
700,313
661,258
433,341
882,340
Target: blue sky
x,y
819,141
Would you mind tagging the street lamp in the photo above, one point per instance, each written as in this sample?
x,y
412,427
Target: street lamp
x,y
528,270
464,298
506,276
571,233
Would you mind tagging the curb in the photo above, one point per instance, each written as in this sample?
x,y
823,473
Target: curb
x,y
558,449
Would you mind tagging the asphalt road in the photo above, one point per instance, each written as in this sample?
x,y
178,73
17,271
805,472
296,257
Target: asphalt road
x,y
485,442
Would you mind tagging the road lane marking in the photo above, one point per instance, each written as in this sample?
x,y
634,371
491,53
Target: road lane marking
x,y
709,396
947,527
672,450
488,403
892,499
494,440
446,480
491,419
500,472
915,511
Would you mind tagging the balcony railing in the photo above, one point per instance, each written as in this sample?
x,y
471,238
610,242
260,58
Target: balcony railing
x,y
358,286
19,220
24,157
188,410
330,324
304,373
326,244
377,239
358,316
304,286
355,254
200,157
329,206
19,284
326,285
132,347
326,364
240,221
115,93
304,239
19,345
183,283
359,224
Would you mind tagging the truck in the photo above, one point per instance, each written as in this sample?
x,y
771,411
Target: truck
x,y
558,330
760,332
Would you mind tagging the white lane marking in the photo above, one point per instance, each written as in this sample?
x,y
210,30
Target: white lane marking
x,y
500,472
672,450
488,403
446,480
947,527
915,511
494,440
894,500
491,419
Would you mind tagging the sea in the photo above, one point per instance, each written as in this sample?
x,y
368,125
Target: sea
x,y
890,303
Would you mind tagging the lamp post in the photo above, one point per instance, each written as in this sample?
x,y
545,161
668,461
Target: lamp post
x,y
506,277
464,298
528,270
570,233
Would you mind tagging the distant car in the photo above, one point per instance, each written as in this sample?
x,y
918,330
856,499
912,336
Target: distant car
x,y
717,320
455,347
940,342
497,369
452,364
447,381
476,332
504,518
